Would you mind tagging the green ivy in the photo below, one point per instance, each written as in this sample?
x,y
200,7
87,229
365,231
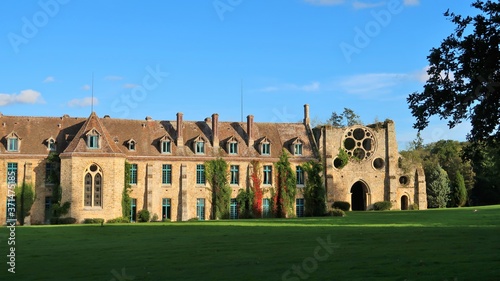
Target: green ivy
x,y
217,174
314,191
25,197
342,158
284,195
126,193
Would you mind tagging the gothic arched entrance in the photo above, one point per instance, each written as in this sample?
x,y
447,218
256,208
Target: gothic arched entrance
x,y
358,196
404,202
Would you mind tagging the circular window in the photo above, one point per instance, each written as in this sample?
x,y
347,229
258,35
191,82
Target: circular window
x,y
337,163
359,143
349,144
379,163
93,168
359,134
404,180
359,153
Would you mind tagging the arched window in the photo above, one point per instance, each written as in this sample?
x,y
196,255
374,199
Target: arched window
x,y
93,186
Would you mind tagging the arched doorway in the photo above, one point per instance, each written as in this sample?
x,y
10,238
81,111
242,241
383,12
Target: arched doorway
x,y
404,202
358,196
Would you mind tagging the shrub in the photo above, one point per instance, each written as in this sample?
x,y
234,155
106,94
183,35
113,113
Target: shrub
x,y
155,218
119,220
93,221
337,213
143,215
194,219
382,206
413,206
344,206
62,220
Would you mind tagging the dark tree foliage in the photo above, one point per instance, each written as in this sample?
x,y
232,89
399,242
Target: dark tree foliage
x,y
464,75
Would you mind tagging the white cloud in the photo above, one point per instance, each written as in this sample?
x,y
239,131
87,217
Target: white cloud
x,y
86,87
87,101
364,5
325,2
373,84
113,78
25,96
49,79
411,2
311,87
130,86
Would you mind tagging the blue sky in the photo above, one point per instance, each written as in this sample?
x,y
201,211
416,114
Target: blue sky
x,y
157,58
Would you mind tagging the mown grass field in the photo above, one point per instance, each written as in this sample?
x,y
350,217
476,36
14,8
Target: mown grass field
x,y
452,244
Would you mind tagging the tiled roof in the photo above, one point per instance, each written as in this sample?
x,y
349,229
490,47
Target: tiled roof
x,y
70,135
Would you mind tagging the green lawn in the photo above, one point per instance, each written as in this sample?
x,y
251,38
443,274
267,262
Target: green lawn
x,y
452,244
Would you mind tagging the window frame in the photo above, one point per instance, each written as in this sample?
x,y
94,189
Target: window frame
x,y
166,174
166,147
13,144
267,178
133,174
235,174
299,173
200,174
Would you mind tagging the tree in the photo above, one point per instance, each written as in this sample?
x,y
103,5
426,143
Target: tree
x,y
458,196
314,191
217,173
284,196
464,75
346,118
438,187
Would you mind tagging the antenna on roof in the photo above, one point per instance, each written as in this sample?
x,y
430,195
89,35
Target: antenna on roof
x,y
92,100
241,90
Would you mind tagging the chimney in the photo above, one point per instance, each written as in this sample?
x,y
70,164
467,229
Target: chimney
x,y
307,120
250,130
215,130
180,138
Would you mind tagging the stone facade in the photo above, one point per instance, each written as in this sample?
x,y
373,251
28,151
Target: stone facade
x,y
167,156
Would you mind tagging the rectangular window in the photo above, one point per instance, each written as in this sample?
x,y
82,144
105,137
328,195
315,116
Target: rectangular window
x,y
200,208
266,207
165,209
200,174
299,208
233,209
200,147
235,174
166,174
133,209
93,141
131,146
298,149
300,175
233,148
166,147
266,149
12,144
50,173
52,145
133,174
268,174
12,173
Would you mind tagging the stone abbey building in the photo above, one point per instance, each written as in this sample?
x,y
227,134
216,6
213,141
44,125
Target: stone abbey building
x,y
167,163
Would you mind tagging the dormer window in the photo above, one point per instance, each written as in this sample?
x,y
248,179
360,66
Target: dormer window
x,y
13,142
51,144
93,139
232,146
199,145
166,145
131,144
297,147
265,147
